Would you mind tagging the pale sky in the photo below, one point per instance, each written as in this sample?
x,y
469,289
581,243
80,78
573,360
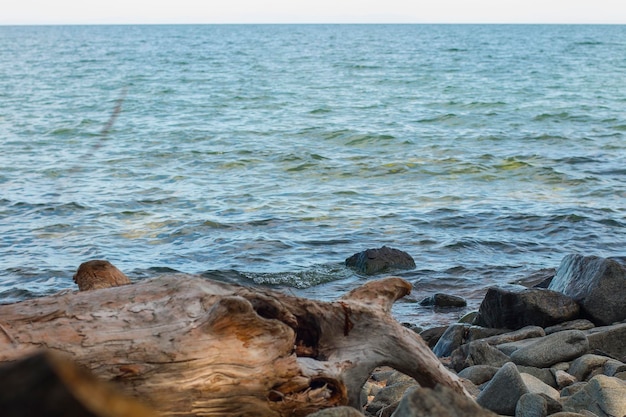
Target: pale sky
x,y
311,11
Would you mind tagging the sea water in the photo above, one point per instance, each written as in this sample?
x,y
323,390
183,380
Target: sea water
x,y
267,154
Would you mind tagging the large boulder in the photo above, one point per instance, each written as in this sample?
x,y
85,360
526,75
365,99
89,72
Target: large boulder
x,y
438,402
557,347
598,284
517,307
374,261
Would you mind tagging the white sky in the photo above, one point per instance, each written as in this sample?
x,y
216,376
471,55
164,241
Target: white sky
x,y
311,11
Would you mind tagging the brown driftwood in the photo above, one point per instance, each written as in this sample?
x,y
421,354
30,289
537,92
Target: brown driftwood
x,y
189,346
46,384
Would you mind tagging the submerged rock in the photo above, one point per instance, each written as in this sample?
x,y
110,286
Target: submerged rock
x,y
374,261
598,284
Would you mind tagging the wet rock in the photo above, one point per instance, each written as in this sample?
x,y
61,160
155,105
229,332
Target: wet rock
x,y
98,274
443,300
477,353
501,394
374,261
597,284
438,402
609,340
517,308
603,395
548,350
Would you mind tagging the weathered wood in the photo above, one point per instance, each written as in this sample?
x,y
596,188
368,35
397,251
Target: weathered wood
x,y
46,384
190,346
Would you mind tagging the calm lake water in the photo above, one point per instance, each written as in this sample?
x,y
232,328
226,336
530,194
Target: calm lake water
x,y
268,154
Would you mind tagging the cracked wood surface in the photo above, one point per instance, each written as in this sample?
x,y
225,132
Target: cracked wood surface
x,y
190,346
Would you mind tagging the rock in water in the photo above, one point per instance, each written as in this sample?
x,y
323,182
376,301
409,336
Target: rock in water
x,y
373,261
598,284
98,274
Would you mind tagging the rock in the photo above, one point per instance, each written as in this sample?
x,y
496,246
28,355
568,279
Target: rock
x,y
582,367
598,284
609,340
580,324
477,353
374,261
537,386
342,411
563,379
438,402
390,394
458,334
517,308
501,394
570,414
536,405
510,347
431,336
527,332
468,317
98,274
538,279
479,374
545,375
548,350
603,395
443,300
613,367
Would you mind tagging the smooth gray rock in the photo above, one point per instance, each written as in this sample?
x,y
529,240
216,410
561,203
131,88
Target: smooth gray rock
x,y
443,300
536,405
579,324
598,284
537,386
374,261
438,402
545,375
342,411
527,332
477,353
609,340
548,350
602,395
517,308
582,367
479,374
501,394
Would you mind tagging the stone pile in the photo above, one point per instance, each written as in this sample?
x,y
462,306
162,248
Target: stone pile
x,y
557,349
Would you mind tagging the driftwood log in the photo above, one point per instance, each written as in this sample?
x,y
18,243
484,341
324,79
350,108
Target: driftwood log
x,y
187,346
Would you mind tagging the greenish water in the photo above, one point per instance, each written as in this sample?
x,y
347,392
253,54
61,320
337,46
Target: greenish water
x,y
269,154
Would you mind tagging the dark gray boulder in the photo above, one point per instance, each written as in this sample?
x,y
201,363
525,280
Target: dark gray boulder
x,y
443,300
374,261
438,402
501,394
514,308
597,284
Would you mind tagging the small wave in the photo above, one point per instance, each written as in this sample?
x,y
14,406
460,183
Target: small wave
x,y
300,279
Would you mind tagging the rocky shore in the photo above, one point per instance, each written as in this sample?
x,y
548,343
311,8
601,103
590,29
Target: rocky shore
x,y
554,348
